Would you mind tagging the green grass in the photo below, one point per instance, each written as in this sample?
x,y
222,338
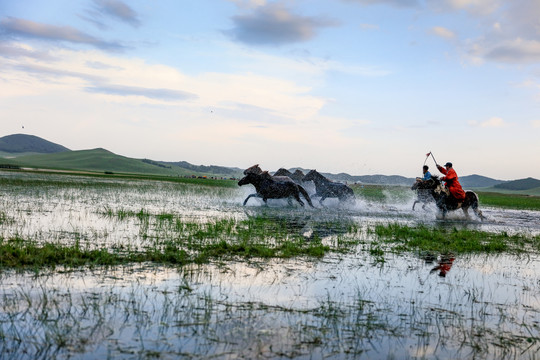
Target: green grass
x,y
99,160
509,201
195,243
421,238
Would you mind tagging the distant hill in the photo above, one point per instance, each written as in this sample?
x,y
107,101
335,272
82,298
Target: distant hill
x,y
211,169
21,143
522,184
32,151
478,181
101,160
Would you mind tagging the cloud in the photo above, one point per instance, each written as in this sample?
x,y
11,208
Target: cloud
x,y
494,122
249,3
517,51
443,32
475,7
535,124
396,3
115,9
273,24
14,50
31,29
369,27
156,94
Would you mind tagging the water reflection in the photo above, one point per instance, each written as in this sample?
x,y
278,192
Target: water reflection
x,y
310,225
444,264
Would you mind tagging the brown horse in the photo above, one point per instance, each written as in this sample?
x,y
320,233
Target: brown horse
x,y
268,187
446,202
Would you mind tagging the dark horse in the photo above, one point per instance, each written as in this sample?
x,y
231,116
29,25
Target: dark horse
x,y
423,192
326,188
297,176
446,202
269,188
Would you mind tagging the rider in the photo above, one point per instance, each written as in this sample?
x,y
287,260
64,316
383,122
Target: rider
x,y
427,174
452,182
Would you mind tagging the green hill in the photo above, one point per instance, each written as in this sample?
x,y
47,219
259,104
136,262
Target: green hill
x,y
522,184
21,143
101,160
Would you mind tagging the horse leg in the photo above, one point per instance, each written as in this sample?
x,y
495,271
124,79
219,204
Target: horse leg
x,y
249,196
414,204
297,197
478,212
321,200
466,212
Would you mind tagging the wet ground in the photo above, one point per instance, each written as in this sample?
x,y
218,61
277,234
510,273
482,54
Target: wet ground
x,y
345,305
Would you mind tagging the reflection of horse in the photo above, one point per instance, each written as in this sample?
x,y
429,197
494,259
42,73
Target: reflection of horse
x,y
297,176
269,188
445,202
328,189
423,192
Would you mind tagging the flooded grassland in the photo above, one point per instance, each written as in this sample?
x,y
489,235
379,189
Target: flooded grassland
x,y
119,268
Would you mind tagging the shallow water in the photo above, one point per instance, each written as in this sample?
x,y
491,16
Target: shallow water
x,y
341,306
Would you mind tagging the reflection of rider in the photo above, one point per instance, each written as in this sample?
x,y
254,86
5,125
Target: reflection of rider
x,y
444,265
452,182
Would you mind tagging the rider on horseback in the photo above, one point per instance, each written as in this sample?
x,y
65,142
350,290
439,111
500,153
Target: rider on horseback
x,y
452,183
427,174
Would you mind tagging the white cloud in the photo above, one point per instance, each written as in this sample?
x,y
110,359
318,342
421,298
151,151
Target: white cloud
x,y
443,32
514,51
476,7
535,124
494,122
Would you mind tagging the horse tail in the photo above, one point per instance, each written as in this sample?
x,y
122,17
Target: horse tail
x,y
306,195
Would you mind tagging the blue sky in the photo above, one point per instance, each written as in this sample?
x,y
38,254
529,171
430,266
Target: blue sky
x,y
357,86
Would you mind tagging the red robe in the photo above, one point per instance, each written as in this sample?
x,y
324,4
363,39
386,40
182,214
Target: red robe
x,y
452,183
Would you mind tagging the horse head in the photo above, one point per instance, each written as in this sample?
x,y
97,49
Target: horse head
x,y
282,172
245,180
298,174
250,178
255,169
310,176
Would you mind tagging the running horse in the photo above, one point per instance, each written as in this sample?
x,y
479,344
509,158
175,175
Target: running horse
x,y
297,176
326,188
423,192
268,187
445,202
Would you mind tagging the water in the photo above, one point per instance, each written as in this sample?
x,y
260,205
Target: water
x,y
343,306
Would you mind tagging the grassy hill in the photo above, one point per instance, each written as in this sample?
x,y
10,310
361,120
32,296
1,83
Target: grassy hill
x,y
101,160
522,184
21,143
478,181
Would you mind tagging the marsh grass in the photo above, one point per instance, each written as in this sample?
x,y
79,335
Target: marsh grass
x,y
509,201
191,242
459,241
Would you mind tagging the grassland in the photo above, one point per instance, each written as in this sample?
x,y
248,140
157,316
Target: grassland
x,y
99,161
138,266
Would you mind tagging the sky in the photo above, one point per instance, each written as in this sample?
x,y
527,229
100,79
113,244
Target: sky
x,y
357,86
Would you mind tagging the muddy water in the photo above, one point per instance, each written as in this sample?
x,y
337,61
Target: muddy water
x,y
342,306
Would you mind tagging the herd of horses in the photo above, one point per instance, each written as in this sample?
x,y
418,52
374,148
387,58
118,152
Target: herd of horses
x,y
286,185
